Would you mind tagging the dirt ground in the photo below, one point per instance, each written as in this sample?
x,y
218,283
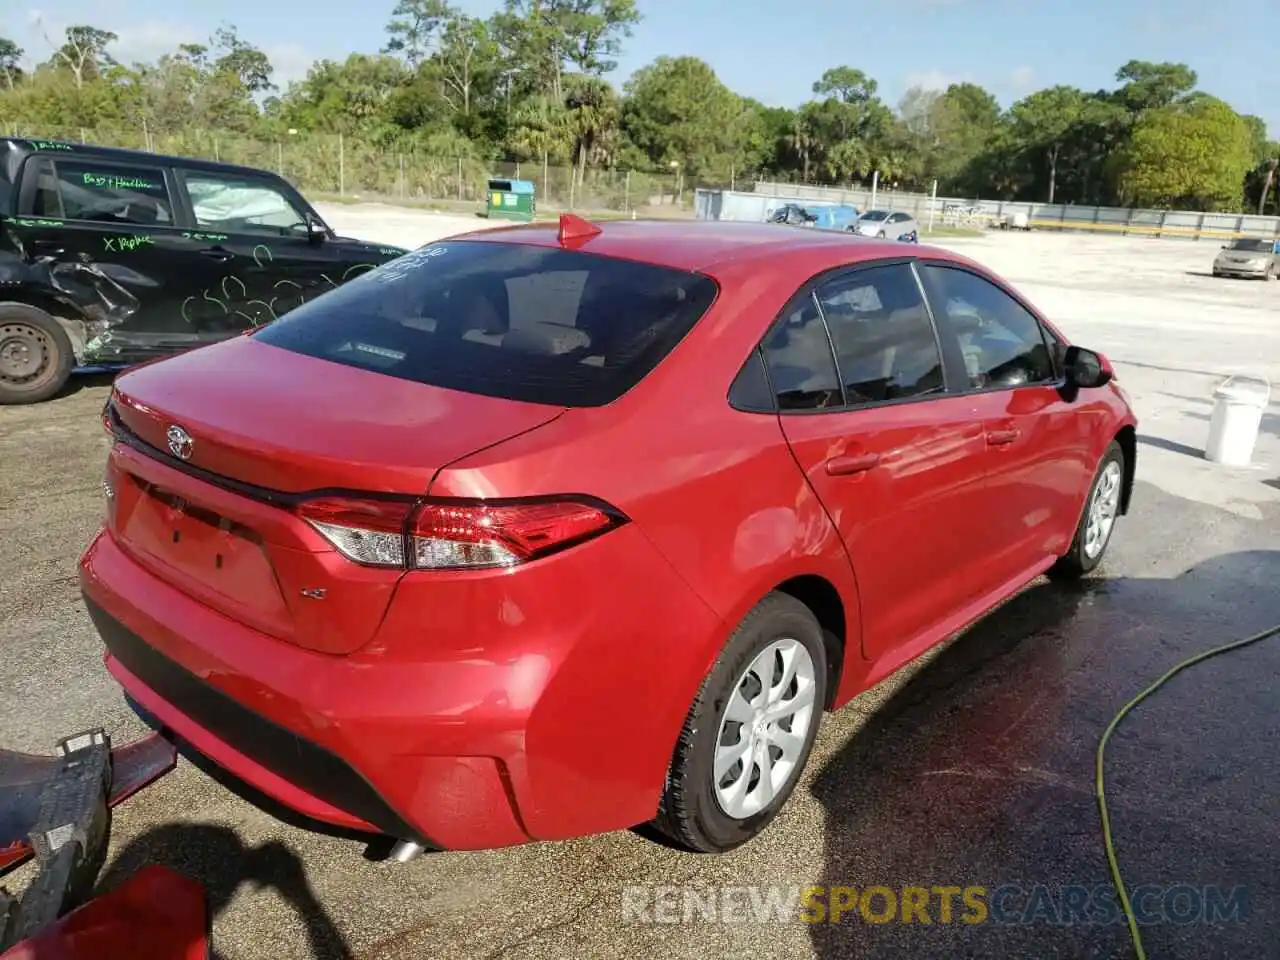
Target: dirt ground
x,y
974,766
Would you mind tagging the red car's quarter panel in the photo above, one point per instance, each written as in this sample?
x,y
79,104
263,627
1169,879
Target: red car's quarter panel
x,y
718,493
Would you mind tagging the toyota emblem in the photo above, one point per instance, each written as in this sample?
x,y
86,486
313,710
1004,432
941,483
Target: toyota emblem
x,y
180,442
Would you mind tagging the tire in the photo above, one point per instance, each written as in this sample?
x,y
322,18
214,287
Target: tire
x,y
35,355
1271,273
693,813
1085,554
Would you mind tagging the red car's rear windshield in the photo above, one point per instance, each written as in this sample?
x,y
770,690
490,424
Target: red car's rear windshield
x,y
528,323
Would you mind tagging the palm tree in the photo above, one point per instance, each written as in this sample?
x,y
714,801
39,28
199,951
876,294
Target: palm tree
x,y
1269,178
538,130
592,113
800,141
847,159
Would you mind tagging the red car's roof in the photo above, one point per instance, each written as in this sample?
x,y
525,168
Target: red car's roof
x,y
705,245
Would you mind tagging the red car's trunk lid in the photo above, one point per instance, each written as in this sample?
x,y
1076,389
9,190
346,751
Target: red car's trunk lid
x,y
280,420
264,422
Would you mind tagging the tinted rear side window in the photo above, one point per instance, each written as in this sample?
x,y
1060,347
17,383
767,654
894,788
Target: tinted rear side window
x,y
105,193
527,323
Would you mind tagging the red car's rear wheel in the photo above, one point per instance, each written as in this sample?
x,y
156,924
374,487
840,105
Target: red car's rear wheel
x,y
750,730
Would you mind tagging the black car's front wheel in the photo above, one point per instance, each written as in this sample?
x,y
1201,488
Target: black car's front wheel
x,y
35,355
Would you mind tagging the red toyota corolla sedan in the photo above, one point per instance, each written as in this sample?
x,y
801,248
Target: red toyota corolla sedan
x,y
535,533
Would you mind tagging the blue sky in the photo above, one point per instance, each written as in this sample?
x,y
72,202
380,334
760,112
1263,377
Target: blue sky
x,y
1009,46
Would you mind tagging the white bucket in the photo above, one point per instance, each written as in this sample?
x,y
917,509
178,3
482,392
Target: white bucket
x,y
1238,404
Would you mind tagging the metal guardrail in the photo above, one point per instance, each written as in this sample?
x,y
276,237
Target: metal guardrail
x,y
1169,224
1193,233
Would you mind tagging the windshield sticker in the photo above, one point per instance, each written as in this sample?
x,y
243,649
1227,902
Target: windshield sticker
x,y
50,145
379,351
401,267
126,243
391,252
112,182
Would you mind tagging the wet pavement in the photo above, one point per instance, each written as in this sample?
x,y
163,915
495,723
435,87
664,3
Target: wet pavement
x,y
979,770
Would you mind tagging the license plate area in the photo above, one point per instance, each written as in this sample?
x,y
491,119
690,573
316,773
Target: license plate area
x,y
219,561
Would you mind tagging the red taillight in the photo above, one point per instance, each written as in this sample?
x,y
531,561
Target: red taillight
x,y
449,535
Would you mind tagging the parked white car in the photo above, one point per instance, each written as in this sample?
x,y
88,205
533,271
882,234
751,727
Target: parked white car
x,y
888,225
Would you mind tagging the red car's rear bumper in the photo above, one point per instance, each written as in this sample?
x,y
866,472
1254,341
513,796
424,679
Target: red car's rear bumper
x,y
486,712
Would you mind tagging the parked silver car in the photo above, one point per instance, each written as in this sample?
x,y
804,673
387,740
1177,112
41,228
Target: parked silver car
x,y
1248,257
887,224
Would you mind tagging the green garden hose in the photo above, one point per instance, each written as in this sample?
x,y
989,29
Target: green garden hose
x,y
1102,746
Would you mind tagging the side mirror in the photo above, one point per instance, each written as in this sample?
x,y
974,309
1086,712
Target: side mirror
x,y
1086,368
317,232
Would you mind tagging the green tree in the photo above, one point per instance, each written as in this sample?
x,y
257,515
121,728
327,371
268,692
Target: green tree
x,y
539,129
678,110
594,31
413,27
591,119
1150,86
846,126
847,85
1045,122
243,61
963,121
533,45
84,53
467,62
1186,156
344,97
10,62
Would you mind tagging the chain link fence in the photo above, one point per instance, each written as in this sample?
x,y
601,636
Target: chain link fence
x,y
405,170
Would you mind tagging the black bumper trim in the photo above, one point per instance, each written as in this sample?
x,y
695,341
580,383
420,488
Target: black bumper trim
x,y
301,762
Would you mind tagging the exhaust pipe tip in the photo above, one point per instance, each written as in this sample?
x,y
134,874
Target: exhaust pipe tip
x,y
405,850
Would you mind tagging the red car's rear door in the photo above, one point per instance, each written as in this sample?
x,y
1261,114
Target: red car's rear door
x,y
897,460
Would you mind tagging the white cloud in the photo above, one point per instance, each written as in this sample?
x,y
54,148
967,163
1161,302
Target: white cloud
x,y
145,42
291,62
1021,80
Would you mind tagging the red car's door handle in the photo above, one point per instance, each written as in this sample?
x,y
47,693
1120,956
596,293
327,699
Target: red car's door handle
x,y
998,438
855,463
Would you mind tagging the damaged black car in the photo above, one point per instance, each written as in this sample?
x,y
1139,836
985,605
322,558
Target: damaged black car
x,y
114,257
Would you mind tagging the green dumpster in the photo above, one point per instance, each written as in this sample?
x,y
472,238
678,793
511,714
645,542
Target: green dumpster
x,y
511,199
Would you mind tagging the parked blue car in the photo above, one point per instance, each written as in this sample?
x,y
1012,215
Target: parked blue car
x,y
834,218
